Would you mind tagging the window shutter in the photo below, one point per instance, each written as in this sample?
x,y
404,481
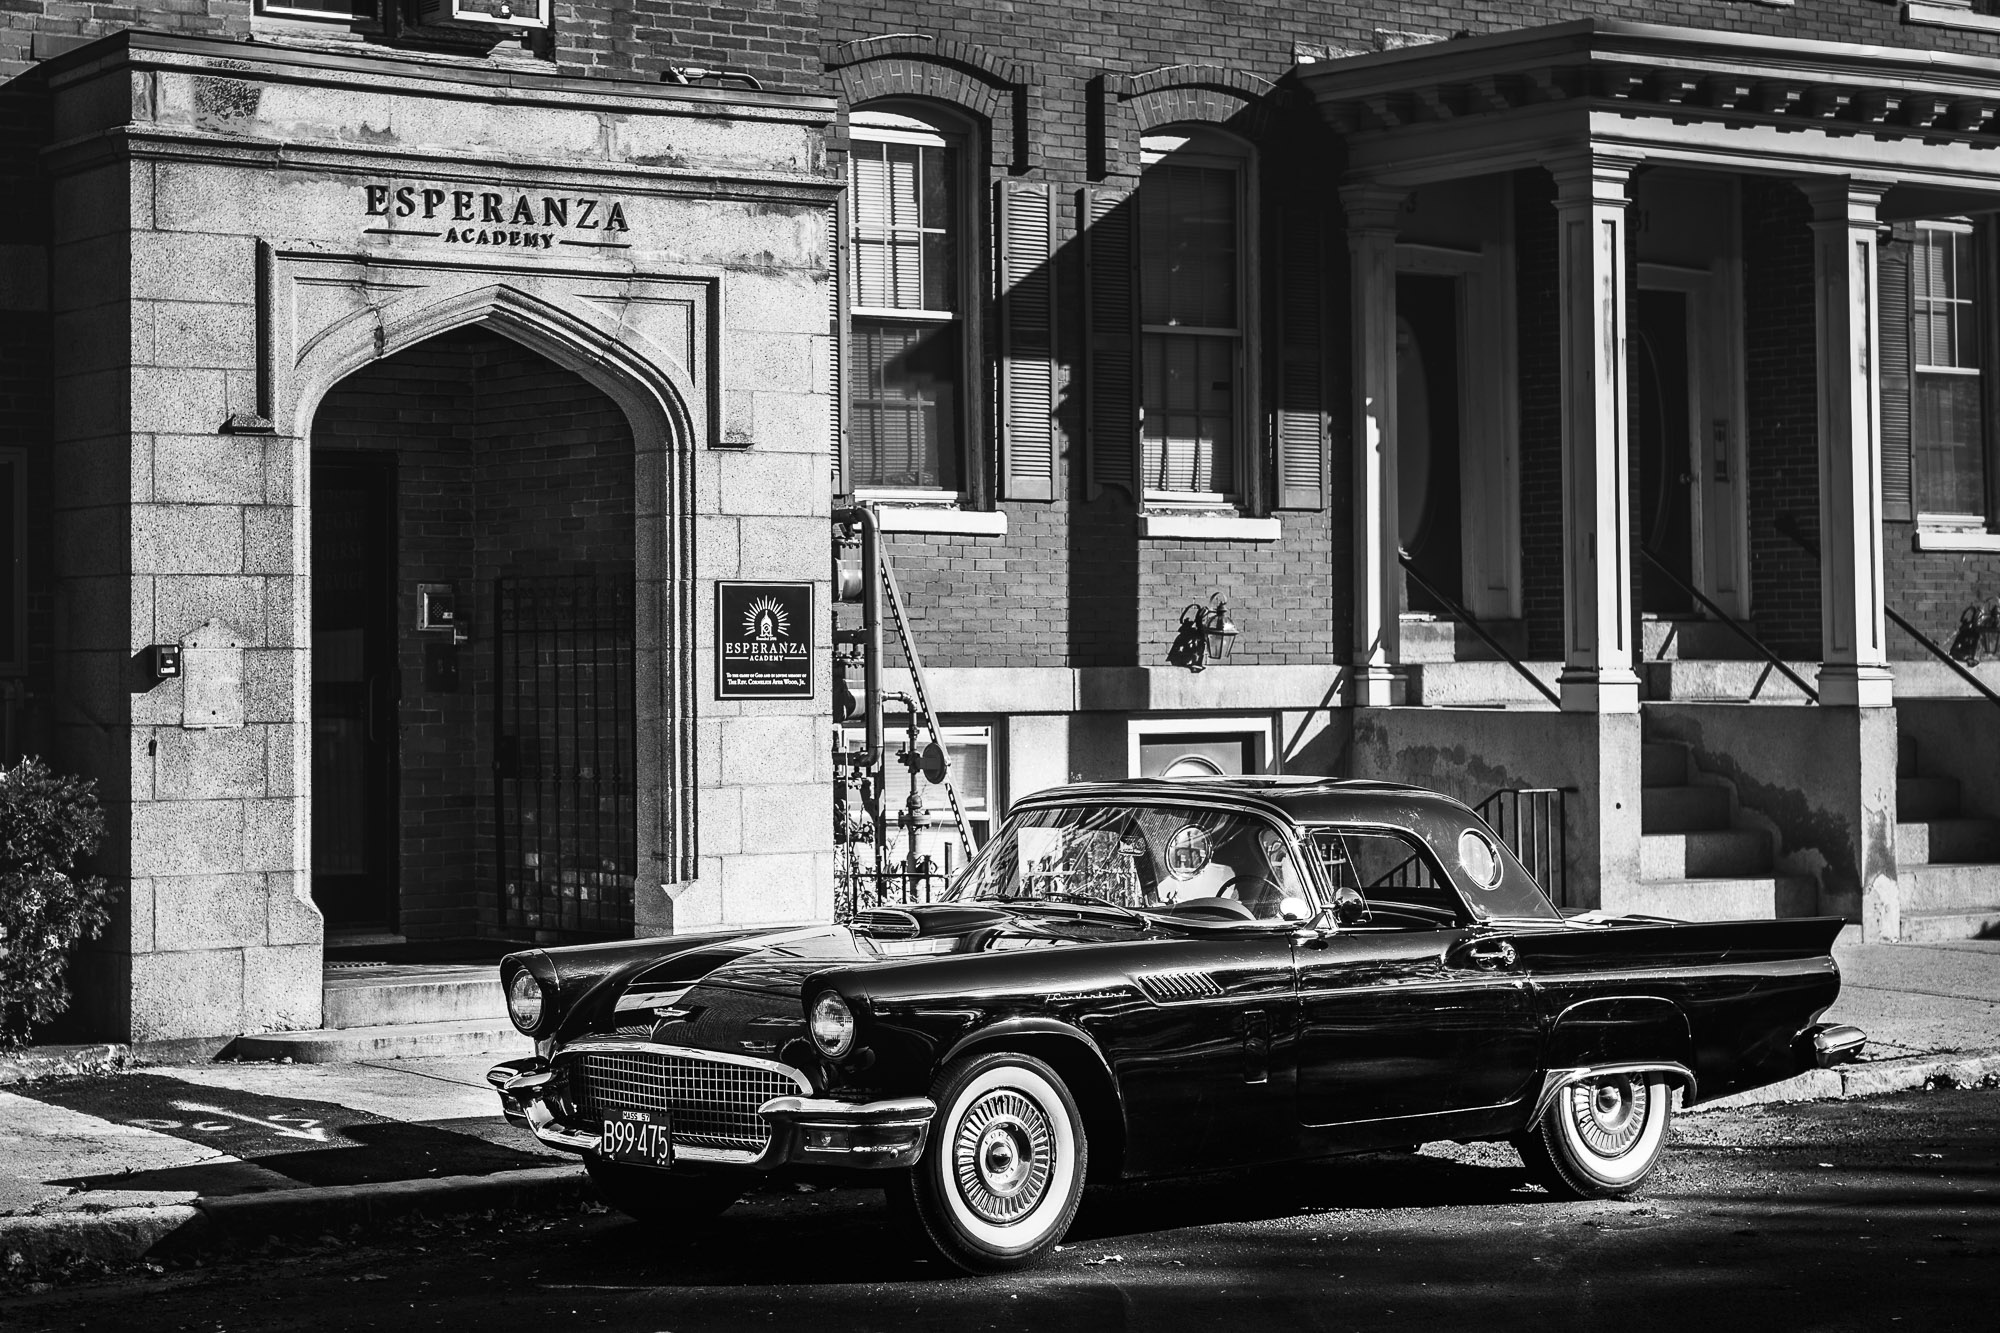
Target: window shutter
x,y
836,360
1893,357
1300,421
1027,341
1111,404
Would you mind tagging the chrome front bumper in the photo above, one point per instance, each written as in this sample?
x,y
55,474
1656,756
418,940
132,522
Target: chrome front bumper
x,y
805,1131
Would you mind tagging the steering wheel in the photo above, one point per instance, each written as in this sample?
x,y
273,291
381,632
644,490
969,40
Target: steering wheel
x,y
1217,906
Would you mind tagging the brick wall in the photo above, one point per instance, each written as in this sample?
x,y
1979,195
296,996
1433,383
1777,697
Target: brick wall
x,y
1933,588
1783,400
774,41
505,465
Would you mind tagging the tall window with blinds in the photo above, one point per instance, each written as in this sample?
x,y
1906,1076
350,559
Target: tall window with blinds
x,y
906,356
1192,317
1947,427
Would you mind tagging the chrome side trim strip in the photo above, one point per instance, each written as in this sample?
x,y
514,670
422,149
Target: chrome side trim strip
x,y
1556,1079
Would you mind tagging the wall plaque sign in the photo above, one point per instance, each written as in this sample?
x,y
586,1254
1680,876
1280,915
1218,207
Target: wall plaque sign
x,y
497,217
763,640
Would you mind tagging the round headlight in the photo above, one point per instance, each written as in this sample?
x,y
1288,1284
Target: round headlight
x,y
524,1001
832,1024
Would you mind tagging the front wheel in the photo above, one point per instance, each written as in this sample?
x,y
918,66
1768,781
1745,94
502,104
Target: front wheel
x,y
1002,1176
660,1198
1601,1135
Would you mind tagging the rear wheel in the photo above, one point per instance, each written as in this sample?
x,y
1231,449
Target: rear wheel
x,y
1601,1136
660,1198
1002,1176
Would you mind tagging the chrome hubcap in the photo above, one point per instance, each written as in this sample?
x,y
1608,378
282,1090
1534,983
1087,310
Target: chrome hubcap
x,y
1609,1113
1002,1155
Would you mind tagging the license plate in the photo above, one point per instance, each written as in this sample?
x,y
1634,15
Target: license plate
x,y
644,1137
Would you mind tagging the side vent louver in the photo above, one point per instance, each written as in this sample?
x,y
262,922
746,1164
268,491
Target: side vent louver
x,y
886,923
1179,987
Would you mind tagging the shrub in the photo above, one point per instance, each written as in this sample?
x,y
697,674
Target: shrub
x,y
47,821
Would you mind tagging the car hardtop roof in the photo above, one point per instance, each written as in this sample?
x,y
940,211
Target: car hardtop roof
x,y
1306,800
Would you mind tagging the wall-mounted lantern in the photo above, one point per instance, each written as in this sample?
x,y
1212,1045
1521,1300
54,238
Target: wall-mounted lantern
x,y
1206,634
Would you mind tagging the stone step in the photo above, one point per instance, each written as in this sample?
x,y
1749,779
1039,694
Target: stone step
x,y
1948,888
1708,854
1724,682
1948,842
1683,809
1430,639
377,995
1922,799
394,1041
1663,764
1762,899
1936,927
1476,684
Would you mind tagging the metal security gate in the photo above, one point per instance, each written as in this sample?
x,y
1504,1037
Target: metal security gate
x,y
564,761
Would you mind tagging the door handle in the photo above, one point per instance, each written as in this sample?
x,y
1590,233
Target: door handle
x,y
1491,955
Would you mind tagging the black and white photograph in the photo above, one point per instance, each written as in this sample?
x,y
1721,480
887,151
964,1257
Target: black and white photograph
x,y
702,667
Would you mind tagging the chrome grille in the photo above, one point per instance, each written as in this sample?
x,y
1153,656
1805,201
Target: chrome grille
x,y
714,1102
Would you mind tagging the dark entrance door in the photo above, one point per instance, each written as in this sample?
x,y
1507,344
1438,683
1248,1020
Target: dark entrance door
x,y
1660,384
565,760
354,692
1427,420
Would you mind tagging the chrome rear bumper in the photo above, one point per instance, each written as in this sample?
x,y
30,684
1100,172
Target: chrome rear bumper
x,y
1831,1044
805,1131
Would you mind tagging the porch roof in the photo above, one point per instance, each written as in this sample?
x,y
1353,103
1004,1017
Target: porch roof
x,y
1924,121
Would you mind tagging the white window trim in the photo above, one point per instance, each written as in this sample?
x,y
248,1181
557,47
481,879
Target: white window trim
x,y
1955,539
1258,731
1247,452
1218,527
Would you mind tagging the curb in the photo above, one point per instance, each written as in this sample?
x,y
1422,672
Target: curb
x,y
1872,1079
40,1243
36,1062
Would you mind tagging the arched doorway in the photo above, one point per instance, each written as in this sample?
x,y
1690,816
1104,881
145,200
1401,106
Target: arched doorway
x,y
474,735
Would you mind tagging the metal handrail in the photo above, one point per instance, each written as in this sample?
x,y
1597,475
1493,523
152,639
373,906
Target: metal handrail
x,y
1788,527
1540,840
1743,631
1466,618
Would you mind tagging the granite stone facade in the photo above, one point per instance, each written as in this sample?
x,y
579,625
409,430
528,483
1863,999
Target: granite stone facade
x,y
580,286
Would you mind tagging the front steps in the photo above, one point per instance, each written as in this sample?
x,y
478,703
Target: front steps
x,y
1947,863
393,1011
1695,862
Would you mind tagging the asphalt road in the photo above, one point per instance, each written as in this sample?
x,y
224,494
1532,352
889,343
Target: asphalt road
x,y
1873,1214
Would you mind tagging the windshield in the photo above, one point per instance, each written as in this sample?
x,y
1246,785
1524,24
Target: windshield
x,y
1183,860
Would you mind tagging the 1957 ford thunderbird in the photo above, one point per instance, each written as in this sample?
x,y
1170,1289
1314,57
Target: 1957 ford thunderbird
x,y
1141,979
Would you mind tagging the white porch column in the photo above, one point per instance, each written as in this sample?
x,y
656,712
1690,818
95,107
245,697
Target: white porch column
x,y
1854,650
1598,674
1378,576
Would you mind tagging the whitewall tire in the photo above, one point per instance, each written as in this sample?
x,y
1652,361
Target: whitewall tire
x,y
1601,1135
1002,1176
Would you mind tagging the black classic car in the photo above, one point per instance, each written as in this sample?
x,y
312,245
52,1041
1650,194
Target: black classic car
x,y
1143,979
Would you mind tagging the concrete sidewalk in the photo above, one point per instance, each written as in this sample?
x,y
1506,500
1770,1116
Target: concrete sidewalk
x,y
108,1165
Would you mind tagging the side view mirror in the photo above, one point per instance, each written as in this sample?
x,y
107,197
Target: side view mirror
x,y
1349,907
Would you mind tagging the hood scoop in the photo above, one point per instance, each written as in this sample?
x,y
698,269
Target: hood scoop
x,y
887,923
